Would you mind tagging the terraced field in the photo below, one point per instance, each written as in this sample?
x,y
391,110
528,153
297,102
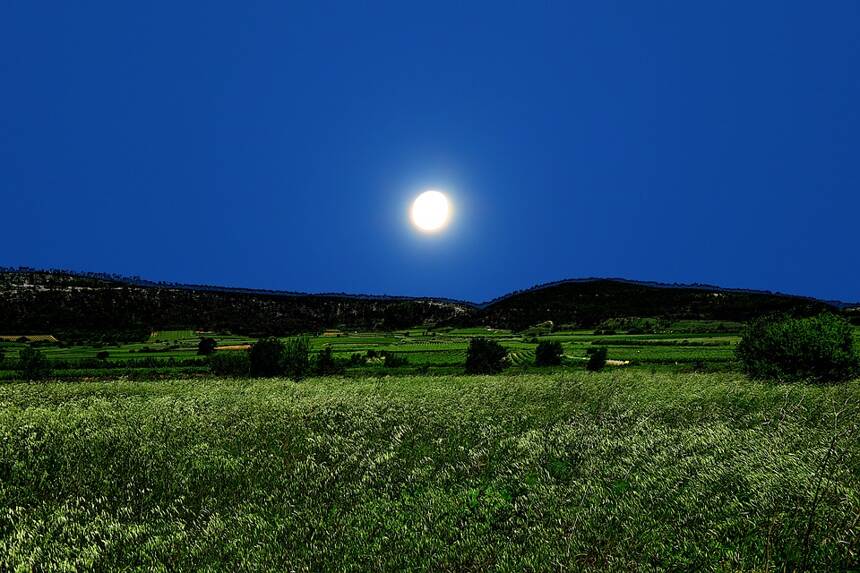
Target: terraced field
x,y
683,346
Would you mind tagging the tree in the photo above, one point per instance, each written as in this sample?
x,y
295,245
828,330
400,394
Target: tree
x,y
2,355
596,360
206,346
819,348
326,364
267,357
485,357
548,353
32,364
230,363
102,355
297,362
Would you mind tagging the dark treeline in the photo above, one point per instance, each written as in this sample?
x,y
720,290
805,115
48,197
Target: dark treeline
x,y
79,305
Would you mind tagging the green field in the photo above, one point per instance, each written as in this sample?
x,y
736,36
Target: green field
x,y
625,469
428,351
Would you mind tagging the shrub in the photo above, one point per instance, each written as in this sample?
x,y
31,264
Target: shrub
x,y
485,357
32,364
2,355
206,346
393,360
326,364
819,348
596,360
267,357
356,359
102,355
548,353
230,363
297,361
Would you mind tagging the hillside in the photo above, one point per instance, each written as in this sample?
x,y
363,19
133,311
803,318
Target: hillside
x,y
41,301
34,301
588,301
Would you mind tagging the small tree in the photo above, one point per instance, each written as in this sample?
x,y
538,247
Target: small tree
x,y
267,357
230,363
297,362
548,353
326,364
819,348
32,364
393,360
485,357
596,360
2,354
206,346
102,355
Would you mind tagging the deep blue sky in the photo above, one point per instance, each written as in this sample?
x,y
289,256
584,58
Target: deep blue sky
x,y
278,144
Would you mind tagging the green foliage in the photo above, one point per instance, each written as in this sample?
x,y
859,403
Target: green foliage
x,y
485,356
325,363
394,360
206,346
819,348
548,353
297,357
230,363
267,357
605,472
596,359
32,364
103,355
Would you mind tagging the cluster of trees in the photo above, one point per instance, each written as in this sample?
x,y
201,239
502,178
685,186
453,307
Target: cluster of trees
x,y
819,348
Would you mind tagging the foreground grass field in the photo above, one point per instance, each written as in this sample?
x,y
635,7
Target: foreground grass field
x,y
619,470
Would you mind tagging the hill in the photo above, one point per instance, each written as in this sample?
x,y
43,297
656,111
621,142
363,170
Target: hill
x,y
50,301
586,302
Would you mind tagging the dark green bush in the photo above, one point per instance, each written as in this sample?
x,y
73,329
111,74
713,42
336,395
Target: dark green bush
x,y
393,360
32,364
820,348
548,353
485,357
325,363
206,346
267,357
297,357
230,363
596,360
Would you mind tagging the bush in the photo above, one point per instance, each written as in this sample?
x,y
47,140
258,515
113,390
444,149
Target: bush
x,y
393,360
356,359
819,348
32,364
326,364
2,355
548,353
267,357
102,355
485,357
230,363
297,361
206,346
596,360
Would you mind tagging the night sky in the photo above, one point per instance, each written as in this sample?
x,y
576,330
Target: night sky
x,y
279,145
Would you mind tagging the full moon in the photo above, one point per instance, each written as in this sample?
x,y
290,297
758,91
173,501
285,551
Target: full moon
x,y
430,211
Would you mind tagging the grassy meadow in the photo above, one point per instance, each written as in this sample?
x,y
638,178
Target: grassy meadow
x,y
627,469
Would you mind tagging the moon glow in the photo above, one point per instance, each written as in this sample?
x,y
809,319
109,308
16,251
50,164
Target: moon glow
x,y
430,211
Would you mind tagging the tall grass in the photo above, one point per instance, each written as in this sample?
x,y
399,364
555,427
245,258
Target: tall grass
x,y
617,470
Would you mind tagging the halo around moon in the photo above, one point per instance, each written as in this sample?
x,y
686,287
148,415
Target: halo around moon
x,y
430,211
